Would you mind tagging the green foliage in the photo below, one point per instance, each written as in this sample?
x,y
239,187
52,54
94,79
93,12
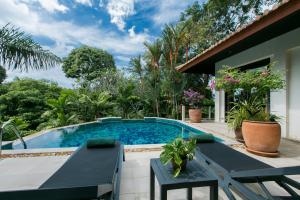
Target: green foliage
x,y
27,100
94,106
2,74
216,19
19,51
252,109
60,113
87,63
20,124
177,151
257,82
126,100
252,86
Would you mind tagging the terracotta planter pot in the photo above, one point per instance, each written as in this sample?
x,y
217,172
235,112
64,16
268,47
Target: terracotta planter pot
x,y
195,115
239,135
262,138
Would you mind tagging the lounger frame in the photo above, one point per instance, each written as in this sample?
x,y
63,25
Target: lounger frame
x,y
234,181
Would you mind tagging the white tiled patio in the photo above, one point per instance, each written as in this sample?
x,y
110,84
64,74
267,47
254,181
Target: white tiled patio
x,y
30,172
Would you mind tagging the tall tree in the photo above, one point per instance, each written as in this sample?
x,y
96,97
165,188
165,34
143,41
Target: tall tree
x,y
153,53
87,63
136,68
19,51
219,18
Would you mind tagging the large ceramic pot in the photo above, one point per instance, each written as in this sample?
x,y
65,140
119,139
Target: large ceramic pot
x,y
195,115
239,135
262,138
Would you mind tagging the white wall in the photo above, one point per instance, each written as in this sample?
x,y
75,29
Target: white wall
x,y
293,118
279,51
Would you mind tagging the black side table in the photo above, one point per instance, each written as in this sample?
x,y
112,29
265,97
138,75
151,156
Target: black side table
x,y
193,176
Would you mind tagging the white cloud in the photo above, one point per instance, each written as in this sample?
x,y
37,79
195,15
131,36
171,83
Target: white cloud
x,y
119,10
169,11
67,35
131,31
85,2
53,5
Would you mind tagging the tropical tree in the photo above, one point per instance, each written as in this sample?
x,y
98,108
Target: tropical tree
x,y
126,99
153,54
219,18
19,51
136,68
87,63
26,99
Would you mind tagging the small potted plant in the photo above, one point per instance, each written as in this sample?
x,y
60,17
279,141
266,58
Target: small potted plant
x,y
235,118
178,152
194,99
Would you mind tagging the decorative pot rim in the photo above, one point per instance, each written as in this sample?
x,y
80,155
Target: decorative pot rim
x,y
195,109
260,122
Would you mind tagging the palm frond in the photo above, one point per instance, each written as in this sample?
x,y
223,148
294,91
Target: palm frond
x,y
19,51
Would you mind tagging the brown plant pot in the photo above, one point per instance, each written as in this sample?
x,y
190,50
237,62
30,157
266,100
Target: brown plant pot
x,y
183,165
262,138
195,115
239,135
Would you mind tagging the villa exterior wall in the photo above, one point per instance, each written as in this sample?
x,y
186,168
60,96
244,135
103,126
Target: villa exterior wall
x,y
284,52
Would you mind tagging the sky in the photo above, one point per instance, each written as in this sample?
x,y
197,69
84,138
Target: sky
x,y
117,26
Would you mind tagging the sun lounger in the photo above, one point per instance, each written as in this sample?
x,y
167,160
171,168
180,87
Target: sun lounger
x,y
90,173
234,169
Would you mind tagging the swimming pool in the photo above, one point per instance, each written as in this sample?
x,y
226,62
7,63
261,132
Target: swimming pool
x,y
129,132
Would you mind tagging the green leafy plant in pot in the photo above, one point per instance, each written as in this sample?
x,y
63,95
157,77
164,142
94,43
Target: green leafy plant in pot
x,y
260,130
178,152
235,118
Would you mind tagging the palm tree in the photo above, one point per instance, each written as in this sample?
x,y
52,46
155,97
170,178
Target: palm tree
x,y
173,39
19,51
136,67
154,52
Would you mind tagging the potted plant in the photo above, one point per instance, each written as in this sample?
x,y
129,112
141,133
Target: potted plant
x,y
260,130
178,152
194,99
235,118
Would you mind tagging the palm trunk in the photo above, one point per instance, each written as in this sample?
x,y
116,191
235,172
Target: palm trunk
x,y
187,53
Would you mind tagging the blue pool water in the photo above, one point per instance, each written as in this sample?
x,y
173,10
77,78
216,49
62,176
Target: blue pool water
x,y
128,132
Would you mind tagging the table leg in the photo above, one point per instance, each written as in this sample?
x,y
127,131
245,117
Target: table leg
x,y
152,184
214,193
190,193
163,193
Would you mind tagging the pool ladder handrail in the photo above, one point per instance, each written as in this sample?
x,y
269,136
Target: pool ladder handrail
x,y
10,124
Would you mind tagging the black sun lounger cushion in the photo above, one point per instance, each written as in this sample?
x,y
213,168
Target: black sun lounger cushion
x,y
204,138
100,142
86,167
229,158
